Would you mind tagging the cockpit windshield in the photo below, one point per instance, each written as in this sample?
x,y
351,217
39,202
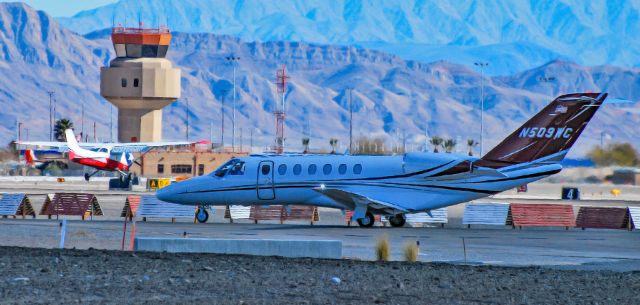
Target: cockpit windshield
x,y
232,167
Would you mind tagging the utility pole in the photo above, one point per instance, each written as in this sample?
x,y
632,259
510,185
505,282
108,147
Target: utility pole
x,y
187,115
82,122
234,60
482,65
50,114
110,124
19,131
350,121
224,93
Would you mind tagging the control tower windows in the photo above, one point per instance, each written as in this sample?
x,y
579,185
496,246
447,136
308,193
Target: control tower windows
x,y
136,82
124,82
141,50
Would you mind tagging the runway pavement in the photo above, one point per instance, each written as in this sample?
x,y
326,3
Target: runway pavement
x,y
573,248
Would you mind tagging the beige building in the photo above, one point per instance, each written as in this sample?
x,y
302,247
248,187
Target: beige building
x,y
166,164
140,82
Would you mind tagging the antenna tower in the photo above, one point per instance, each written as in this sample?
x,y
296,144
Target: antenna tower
x,y
281,84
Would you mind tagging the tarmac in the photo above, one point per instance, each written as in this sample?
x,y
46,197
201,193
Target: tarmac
x,y
591,249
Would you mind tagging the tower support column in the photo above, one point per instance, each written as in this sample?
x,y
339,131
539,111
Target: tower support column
x,y
139,125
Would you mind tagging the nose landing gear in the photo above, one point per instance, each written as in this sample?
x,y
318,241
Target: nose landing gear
x,y
202,215
367,221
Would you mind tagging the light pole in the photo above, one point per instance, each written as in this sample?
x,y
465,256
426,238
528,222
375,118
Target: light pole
x,y
187,115
224,93
548,80
233,60
19,131
350,121
50,114
482,65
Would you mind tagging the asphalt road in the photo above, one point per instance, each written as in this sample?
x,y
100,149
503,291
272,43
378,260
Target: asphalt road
x,y
574,248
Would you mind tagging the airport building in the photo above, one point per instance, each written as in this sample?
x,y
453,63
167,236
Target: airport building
x,y
188,163
140,81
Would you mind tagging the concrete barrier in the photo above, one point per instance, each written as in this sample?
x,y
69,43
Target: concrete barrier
x,y
260,247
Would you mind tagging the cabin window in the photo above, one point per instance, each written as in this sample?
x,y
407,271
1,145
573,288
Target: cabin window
x,y
312,169
181,169
342,169
326,169
136,83
282,169
297,169
160,168
357,169
266,168
123,82
200,169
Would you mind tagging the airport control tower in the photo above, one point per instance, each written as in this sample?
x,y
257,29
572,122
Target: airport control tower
x,y
140,81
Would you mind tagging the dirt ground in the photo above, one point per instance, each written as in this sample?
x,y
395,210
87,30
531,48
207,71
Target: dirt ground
x,y
29,275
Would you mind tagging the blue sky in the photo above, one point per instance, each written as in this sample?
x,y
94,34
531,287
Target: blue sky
x,y
63,8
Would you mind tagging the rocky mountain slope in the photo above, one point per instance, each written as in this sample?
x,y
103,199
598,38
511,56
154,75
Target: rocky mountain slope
x,y
512,35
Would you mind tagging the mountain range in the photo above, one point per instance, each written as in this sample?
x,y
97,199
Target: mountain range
x,y
391,95
512,36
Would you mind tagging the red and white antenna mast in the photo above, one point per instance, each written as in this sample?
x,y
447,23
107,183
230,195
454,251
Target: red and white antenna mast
x,y
281,84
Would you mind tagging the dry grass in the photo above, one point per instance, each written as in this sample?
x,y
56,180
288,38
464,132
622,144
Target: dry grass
x,y
411,252
383,249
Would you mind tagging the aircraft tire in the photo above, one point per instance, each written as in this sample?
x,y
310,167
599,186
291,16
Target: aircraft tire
x,y
397,221
367,221
202,215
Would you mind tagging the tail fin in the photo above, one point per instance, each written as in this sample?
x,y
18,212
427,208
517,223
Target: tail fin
x,y
550,133
75,151
30,157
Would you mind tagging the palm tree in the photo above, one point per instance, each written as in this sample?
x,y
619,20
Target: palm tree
x,y
333,142
449,145
436,142
471,143
305,143
60,127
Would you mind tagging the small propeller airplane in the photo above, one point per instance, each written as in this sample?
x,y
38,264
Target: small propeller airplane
x,y
393,186
101,156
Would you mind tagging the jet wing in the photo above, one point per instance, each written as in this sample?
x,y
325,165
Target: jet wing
x,y
142,146
351,199
115,147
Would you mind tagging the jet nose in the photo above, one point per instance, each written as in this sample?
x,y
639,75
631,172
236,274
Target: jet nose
x,y
170,193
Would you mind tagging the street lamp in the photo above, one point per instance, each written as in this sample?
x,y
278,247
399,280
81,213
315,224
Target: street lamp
x,y
233,60
187,114
482,65
50,114
350,120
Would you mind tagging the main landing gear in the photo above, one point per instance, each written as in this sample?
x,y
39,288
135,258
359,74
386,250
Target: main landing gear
x,y
202,215
367,221
397,220
88,176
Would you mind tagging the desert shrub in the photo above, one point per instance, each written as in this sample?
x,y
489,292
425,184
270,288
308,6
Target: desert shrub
x,y
621,154
411,252
383,249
